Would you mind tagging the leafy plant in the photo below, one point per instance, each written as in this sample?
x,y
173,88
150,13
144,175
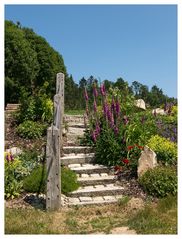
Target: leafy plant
x,y
68,180
115,125
36,181
14,173
30,160
140,129
165,149
159,181
31,130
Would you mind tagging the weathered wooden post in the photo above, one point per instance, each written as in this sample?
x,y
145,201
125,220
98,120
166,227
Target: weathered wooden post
x,y
53,149
53,194
60,92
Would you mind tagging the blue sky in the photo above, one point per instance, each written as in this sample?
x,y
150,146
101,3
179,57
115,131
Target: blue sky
x,y
135,42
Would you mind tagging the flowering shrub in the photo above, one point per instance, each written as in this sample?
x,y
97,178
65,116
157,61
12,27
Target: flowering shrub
x,y
165,149
12,176
110,129
119,130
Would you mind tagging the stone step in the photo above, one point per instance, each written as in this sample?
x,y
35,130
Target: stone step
x,y
97,190
76,125
84,201
88,168
77,159
77,149
74,118
95,179
76,131
12,107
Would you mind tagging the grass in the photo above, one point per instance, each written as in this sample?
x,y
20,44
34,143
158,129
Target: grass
x,y
153,218
156,219
74,112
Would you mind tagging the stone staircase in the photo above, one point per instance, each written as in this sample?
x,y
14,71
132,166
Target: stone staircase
x,y
97,182
76,128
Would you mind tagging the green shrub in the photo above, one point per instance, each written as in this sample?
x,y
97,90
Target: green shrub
x,y
165,149
31,130
38,107
159,181
36,181
141,128
30,160
68,180
13,175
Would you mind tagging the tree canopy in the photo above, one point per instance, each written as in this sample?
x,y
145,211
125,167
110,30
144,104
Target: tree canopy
x,y
31,63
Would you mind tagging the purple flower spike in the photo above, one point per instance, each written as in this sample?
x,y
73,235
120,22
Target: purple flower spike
x,y
94,136
116,130
105,108
113,104
97,129
95,106
103,90
117,108
95,91
9,157
85,94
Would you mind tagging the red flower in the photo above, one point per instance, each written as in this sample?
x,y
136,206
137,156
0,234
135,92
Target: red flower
x,y
138,146
126,161
130,147
117,168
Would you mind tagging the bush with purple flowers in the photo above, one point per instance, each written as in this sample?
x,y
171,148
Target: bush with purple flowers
x,y
109,125
118,130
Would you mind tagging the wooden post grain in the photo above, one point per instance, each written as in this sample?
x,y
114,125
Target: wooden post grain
x,y
53,194
54,148
60,91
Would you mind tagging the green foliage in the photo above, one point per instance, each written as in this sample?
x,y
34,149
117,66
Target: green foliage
x,y
87,139
141,127
14,172
31,130
165,149
36,181
109,149
37,107
30,160
21,65
160,181
68,180
29,62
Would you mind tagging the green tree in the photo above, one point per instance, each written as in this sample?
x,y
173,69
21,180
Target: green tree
x,y
136,88
21,65
156,97
29,62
